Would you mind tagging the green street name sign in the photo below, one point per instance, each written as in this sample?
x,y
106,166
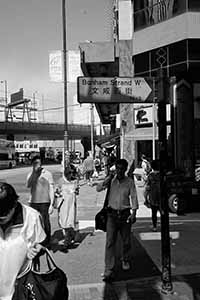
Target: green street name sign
x,y
115,90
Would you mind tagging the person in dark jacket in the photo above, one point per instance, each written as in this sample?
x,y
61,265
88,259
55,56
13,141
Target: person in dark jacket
x,y
153,187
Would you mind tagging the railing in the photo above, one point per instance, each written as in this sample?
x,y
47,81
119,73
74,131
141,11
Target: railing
x,y
161,10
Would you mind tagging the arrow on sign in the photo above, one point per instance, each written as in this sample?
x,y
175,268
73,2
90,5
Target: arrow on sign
x,y
141,88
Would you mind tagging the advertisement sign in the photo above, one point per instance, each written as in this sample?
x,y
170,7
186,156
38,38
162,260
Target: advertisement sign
x,y
74,65
115,90
143,115
16,97
55,66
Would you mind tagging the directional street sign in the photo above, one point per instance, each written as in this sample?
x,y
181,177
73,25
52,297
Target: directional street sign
x,y
115,90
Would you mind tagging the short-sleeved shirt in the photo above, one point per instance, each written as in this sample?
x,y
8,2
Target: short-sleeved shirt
x,y
41,189
122,194
25,230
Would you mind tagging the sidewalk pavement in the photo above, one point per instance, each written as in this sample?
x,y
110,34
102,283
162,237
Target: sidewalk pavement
x,y
83,263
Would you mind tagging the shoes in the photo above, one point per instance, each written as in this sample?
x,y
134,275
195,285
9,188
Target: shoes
x,y
125,265
107,277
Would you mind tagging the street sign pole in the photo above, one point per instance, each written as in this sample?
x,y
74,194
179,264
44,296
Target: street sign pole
x,y
66,138
165,238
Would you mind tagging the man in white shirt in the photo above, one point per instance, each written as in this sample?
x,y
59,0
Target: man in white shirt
x,y
40,181
121,209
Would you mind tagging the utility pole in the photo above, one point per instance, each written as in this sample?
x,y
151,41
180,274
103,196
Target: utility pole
x,y
167,286
43,108
66,139
6,92
92,128
5,96
153,133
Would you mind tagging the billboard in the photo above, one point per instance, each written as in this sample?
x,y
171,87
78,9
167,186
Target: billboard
x,y
56,66
16,97
74,65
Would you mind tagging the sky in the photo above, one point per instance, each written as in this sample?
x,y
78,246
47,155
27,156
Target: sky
x,y
30,29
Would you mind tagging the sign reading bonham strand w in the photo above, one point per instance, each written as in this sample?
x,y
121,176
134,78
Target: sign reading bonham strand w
x,y
115,90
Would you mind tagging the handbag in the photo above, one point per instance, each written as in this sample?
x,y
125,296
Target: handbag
x,y
101,216
34,285
101,219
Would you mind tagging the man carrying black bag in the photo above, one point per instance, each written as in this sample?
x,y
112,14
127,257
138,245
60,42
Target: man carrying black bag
x,y
122,205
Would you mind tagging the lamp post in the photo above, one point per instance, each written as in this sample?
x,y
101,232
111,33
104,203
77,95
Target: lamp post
x,y
92,129
66,139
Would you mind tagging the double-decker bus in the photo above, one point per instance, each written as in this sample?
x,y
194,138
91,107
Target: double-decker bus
x,y
7,154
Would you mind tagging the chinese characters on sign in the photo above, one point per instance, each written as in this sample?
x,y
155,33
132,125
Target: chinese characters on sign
x,y
116,90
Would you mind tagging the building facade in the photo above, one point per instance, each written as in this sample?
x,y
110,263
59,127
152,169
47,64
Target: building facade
x,y
165,35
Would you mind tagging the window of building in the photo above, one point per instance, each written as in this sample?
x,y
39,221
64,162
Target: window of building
x,y
194,49
177,52
194,5
141,62
149,12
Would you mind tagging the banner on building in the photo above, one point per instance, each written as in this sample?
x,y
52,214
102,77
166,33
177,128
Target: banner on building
x,y
56,66
74,65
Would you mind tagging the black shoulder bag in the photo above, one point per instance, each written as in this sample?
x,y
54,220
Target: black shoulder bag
x,y
101,216
34,285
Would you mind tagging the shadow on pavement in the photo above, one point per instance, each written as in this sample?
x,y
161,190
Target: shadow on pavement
x,y
192,281
141,263
57,240
142,267
118,291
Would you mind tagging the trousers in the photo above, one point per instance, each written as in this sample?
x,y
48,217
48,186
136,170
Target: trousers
x,y
43,209
116,222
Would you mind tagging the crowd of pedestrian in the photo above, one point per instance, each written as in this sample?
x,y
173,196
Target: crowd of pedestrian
x,y
26,230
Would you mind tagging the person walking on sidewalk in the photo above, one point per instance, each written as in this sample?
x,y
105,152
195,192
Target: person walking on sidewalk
x,y
121,212
153,188
88,166
40,182
67,191
21,237
146,166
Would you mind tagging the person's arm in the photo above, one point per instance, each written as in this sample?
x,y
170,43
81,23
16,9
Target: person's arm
x,y
51,192
30,179
104,184
33,176
134,202
37,237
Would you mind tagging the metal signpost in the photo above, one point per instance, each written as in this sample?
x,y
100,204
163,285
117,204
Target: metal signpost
x,y
164,213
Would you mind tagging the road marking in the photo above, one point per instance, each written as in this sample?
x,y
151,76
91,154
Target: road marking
x,y
149,236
